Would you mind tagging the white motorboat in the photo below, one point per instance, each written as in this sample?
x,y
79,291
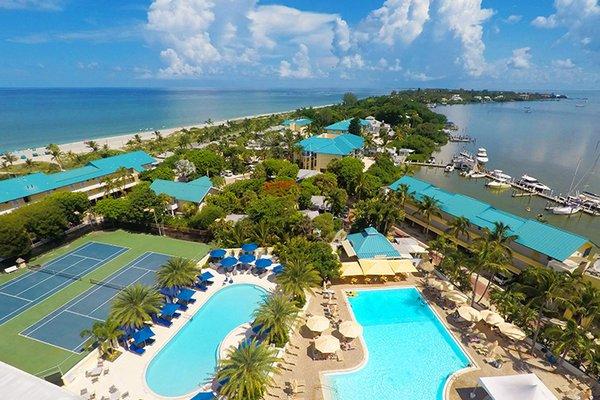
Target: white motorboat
x,y
449,168
475,175
498,173
566,209
532,183
499,183
482,155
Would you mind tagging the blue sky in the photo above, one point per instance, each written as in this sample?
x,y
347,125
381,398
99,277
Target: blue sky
x,y
539,44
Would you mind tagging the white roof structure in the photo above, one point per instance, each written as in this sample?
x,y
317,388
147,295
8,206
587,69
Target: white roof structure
x,y
19,385
409,246
511,387
306,173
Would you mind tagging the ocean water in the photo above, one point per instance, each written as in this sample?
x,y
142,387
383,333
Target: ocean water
x,y
411,354
36,117
548,143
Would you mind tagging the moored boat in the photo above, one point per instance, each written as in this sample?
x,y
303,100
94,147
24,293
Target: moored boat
x,y
499,183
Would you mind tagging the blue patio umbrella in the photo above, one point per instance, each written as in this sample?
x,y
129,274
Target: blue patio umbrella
x,y
186,294
247,258
218,253
204,396
142,335
263,263
278,269
249,247
169,309
229,262
206,276
169,292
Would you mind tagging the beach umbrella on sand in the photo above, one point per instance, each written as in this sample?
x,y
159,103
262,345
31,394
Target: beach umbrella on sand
x,y
441,285
229,262
427,266
468,313
350,329
512,331
491,317
317,323
456,296
327,344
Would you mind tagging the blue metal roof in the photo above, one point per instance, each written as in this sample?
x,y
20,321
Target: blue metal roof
x,y
297,121
370,244
32,184
341,145
193,191
344,125
543,238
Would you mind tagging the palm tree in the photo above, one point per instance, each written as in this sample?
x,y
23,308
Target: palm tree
x,y
92,145
29,163
484,253
184,140
276,314
297,278
262,233
56,153
103,334
566,338
460,226
247,371
135,304
116,182
9,157
498,264
177,272
428,207
501,233
158,136
584,305
403,193
137,139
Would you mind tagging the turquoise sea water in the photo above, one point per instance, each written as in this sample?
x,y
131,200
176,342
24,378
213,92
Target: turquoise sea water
x,y
411,354
188,360
36,117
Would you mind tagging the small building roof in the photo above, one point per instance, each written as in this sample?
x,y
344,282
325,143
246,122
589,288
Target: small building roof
x,y
193,191
306,173
17,385
32,184
543,238
297,121
341,145
343,126
522,387
372,244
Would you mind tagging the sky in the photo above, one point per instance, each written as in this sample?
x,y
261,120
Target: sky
x,y
495,44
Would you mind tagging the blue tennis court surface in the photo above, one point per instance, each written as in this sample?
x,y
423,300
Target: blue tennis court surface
x,y
62,328
32,287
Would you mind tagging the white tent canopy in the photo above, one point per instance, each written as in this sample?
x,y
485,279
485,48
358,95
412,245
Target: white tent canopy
x,y
511,387
19,385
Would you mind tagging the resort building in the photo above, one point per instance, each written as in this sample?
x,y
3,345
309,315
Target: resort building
x,y
319,150
192,192
299,125
369,244
341,127
90,179
537,244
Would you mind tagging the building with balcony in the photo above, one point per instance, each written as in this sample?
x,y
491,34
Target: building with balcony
x,y
90,179
299,125
319,150
180,193
342,127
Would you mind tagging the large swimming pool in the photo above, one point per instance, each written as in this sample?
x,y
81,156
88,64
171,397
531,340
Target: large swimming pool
x,y
188,360
411,354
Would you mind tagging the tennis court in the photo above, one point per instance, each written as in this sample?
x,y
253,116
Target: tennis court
x,y
62,327
34,286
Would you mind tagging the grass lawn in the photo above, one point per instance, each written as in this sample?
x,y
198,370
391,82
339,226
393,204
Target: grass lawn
x,y
43,359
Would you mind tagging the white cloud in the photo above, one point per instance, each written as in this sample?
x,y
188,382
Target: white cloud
x,y
465,18
419,76
521,58
354,61
300,67
513,19
396,20
35,5
91,65
563,64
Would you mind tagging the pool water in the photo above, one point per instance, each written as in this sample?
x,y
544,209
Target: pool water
x,y
188,360
410,352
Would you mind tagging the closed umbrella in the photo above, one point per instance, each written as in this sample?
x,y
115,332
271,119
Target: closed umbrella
x,y
327,344
350,329
512,331
441,285
491,317
468,313
427,266
456,296
317,323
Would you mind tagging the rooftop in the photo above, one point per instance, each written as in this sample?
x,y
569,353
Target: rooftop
x,y
543,238
297,121
193,191
32,184
371,244
343,126
341,145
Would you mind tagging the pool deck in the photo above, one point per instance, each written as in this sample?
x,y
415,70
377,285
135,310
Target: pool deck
x,y
300,366
127,373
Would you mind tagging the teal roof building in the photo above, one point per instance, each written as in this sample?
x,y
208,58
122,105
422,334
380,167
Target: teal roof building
x,y
297,122
194,191
546,239
340,145
37,183
342,126
372,244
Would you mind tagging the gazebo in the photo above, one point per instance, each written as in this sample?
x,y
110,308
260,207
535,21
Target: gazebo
x,y
511,387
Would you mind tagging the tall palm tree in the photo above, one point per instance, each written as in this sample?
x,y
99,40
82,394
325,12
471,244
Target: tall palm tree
x,y
566,338
502,233
116,182
460,226
276,314
55,153
403,193
483,254
158,136
428,207
9,157
545,288
297,278
177,272
247,371
499,264
584,304
261,232
29,163
135,304
93,145
103,334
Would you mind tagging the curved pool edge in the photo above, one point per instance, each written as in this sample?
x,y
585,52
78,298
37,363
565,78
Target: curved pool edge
x,y
473,366
265,286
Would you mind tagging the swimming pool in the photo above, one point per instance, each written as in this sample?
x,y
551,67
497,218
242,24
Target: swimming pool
x,y
410,352
188,360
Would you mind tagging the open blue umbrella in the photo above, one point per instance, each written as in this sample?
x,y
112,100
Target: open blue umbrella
x,y
206,276
218,253
169,309
142,335
247,258
278,269
229,262
263,263
249,247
